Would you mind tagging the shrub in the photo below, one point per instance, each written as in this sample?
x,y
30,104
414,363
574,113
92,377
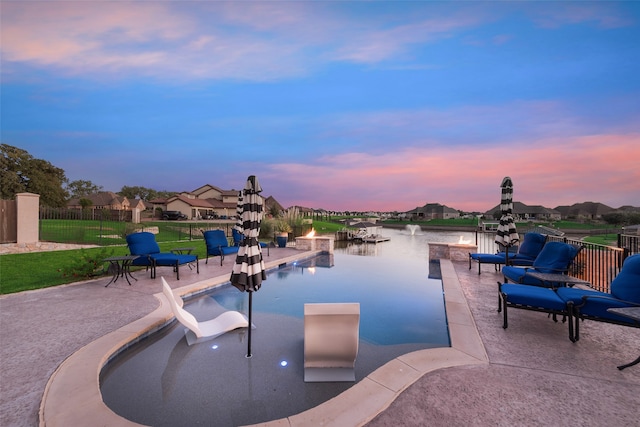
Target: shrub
x,y
88,264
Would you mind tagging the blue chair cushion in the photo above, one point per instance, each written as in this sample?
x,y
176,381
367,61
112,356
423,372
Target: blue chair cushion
x,y
237,237
143,243
626,285
555,257
217,243
531,246
490,258
519,275
532,296
594,303
168,259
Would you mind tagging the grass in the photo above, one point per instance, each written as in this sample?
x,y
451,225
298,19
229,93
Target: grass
x,y
603,239
37,270
326,227
106,233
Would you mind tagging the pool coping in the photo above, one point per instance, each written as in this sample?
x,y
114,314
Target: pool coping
x,y
72,395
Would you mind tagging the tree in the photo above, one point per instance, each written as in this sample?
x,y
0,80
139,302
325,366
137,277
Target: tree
x,y
85,203
137,192
81,188
20,172
621,218
144,193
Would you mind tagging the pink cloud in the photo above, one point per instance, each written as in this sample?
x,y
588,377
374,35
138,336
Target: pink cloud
x,y
255,41
548,172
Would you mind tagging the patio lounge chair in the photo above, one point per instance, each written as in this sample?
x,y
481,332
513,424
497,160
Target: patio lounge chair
x,y
200,331
237,238
331,339
531,246
218,245
587,304
554,258
144,244
533,298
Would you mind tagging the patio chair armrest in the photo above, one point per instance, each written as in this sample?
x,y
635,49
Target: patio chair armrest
x,y
585,298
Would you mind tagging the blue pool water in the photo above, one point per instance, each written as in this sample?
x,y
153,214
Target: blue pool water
x,y
163,381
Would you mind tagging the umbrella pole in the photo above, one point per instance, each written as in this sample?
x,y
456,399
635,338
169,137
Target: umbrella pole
x,y
250,310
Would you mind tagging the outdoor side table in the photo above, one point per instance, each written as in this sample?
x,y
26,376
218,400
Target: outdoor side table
x,y
120,267
557,278
631,313
182,251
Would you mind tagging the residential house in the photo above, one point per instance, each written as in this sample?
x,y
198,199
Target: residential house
x,y
527,212
102,200
195,207
433,211
138,204
207,201
272,205
584,211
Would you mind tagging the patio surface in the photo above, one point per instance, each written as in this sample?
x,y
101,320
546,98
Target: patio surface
x,y
54,341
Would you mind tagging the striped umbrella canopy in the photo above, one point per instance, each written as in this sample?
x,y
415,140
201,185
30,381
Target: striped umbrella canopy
x,y
248,270
507,235
239,208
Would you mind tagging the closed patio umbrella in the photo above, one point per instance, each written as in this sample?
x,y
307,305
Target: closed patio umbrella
x,y
248,270
239,208
507,235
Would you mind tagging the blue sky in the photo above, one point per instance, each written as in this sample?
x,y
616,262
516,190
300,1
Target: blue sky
x,y
366,105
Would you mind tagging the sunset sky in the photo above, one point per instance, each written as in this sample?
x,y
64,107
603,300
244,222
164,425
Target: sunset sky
x,y
363,105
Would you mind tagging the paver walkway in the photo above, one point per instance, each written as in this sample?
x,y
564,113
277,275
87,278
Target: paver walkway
x,y
535,375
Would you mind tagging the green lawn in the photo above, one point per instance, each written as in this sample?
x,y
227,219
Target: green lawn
x,y
35,270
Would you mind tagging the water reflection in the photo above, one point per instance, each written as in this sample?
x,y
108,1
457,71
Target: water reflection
x,y
163,381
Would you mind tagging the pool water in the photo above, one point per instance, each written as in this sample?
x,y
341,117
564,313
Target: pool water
x,y
163,381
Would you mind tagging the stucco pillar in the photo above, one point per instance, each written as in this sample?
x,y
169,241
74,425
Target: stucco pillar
x,y
135,216
28,209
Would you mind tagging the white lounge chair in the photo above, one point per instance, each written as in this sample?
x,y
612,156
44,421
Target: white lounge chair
x,y
200,331
331,337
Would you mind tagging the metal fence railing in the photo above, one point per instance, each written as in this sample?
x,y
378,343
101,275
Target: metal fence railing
x,y
597,264
104,232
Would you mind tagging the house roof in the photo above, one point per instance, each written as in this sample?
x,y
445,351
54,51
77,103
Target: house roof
x,y
219,204
193,202
102,198
270,202
205,188
158,201
520,208
433,208
585,208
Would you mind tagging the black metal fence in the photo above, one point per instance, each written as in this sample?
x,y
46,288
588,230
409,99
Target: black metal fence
x,y
104,227
597,264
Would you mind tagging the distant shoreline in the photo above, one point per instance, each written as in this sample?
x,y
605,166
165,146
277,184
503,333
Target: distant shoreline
x,y
569,232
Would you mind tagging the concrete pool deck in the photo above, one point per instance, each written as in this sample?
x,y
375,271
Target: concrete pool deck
x,y
55,341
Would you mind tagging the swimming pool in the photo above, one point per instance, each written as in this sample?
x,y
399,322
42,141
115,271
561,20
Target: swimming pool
x,y
162,381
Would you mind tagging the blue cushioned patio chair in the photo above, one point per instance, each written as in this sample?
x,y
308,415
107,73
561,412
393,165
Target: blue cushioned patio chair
x,y
238,236
144,244
554,258
218,244
532,244
533,298
587,304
